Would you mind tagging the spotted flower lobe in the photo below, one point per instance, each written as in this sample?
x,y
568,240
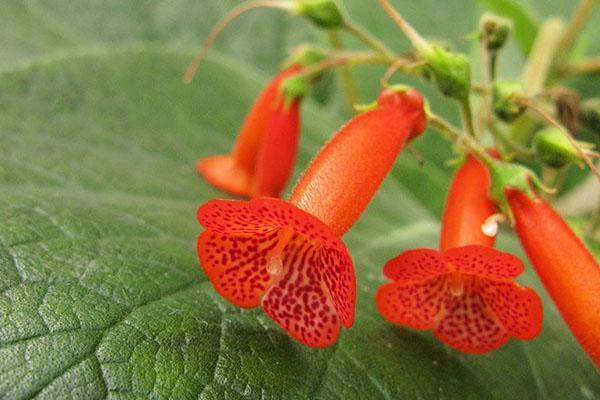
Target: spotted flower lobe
x,y
266,251
465,295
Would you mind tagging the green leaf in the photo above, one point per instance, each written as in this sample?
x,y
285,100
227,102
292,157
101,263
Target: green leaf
x,y
101,294
524,24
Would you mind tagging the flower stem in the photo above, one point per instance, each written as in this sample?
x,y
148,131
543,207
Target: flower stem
x,y
342,58
542,55
370,41
576,22
417,40
467,114
223,23
460,138
588,66
348,82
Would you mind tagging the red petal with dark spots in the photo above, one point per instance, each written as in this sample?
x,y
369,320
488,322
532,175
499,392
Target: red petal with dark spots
x,y
236,265
484,261
300,302
415,265
519,308
233,217
315,290
467,323
415,304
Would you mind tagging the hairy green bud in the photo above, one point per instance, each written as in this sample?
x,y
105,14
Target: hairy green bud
x,y
324,13
504,100
495,30
451,71
554,149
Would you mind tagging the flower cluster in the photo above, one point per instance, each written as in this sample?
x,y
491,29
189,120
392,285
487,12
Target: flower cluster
x,y
288,257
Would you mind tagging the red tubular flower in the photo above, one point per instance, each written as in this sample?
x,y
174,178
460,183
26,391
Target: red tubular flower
x,y
288,256
235,173
466,292
567,269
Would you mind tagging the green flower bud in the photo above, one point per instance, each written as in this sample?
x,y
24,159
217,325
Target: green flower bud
x,y
451,71
504,100
495,30
554,149
324,13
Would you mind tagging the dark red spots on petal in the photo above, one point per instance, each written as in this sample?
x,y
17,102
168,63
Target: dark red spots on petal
x,y
236,265
484,261
300,302
519,308
415,265
415,305
337,271
467,324
267,248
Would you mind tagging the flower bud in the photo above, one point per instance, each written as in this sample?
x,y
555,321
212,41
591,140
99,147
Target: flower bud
x,y
554,149
494,30
451,71
324,13
504,100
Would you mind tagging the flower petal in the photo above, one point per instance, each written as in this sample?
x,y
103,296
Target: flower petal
x,y
236,265
468,325
232,217
415,265
484,261
337,271
519,308
414,304
299,302
284,214
224,173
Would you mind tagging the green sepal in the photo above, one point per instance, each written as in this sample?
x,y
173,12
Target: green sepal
x,y
294,87
363,108
515,176
323,13
555,150
504,100
451,71
496,29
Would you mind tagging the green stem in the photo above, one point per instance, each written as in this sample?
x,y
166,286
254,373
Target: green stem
x,y
541,57
506,139
464,140
341,59
576,22
348,82
370,41
467,114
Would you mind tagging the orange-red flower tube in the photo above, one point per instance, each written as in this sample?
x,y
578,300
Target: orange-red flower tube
x,y
235,173
288,256
567,269
465,293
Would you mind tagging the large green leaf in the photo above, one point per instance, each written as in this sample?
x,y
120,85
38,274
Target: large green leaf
x,y
101,294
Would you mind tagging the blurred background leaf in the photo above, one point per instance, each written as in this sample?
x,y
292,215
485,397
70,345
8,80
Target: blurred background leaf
x,y
101,294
